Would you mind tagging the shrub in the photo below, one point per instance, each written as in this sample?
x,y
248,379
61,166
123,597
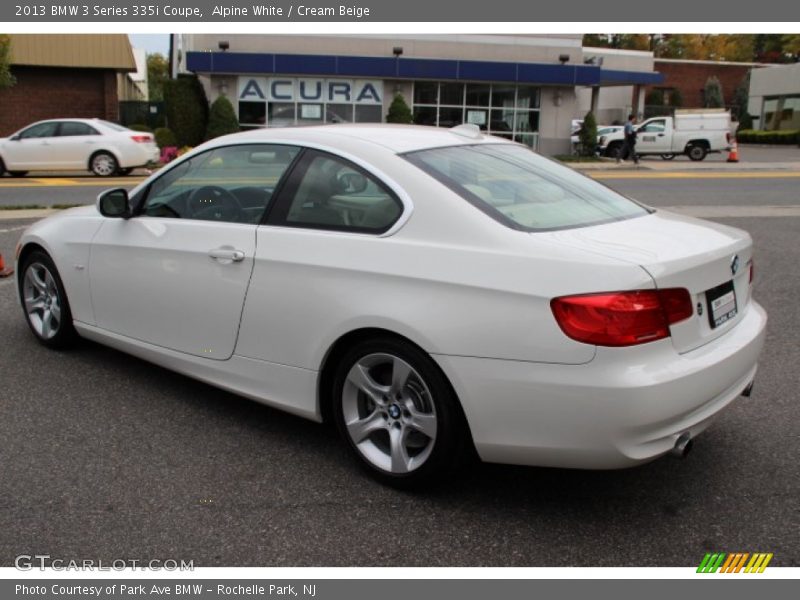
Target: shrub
x,y
140,127
165,137
588,135
751,136
399,112
186,109
221,119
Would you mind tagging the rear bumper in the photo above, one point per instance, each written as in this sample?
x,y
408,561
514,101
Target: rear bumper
x,y
626,407
139,156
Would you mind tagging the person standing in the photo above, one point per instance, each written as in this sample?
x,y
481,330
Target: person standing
x,y
629,147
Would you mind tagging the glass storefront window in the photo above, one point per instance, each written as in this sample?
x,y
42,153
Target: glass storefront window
x,y
451,93
425,115
369,114
281,114
450,117
426,92
252,113
503,96
339,113
478,94
503,110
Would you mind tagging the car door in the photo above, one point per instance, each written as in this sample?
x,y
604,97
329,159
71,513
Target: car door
x,y
653,138
31,148
176,274
74,144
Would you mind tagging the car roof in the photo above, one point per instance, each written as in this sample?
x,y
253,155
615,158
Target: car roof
x,y
397,138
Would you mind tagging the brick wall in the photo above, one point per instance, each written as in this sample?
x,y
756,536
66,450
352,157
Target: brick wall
x,y
690,79
48,93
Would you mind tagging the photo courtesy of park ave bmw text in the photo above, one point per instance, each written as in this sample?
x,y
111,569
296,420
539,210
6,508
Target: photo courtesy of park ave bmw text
x,y
435,299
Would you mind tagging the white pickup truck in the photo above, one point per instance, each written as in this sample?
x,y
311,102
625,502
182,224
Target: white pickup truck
x,y
694,133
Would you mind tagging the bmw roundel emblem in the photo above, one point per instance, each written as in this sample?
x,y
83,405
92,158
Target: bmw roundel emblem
x,y
734,264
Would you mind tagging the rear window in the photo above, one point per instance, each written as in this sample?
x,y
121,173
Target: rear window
x,y
523,190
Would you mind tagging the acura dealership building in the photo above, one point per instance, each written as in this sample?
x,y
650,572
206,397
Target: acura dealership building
x,y
523,87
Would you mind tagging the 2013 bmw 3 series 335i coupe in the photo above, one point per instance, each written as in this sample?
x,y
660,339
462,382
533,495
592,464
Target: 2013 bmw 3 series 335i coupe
x,y
429,291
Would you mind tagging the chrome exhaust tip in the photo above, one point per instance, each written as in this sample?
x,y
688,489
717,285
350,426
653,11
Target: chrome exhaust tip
x,y
683,445
749,389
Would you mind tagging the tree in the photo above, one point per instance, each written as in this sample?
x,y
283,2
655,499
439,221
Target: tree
x,y
712,93
399,112
186,108
221,119
588,135
7,79
740,100
157,74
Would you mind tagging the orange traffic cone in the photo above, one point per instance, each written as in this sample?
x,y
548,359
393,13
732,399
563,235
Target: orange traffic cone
x,y
3,271
733,154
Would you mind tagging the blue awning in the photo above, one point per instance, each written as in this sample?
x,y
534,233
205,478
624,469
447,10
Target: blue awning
x,y
412,68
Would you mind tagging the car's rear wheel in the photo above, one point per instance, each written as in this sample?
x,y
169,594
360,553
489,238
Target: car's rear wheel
x,y
18,173
103,164
2,167
398,413
45,302
696,152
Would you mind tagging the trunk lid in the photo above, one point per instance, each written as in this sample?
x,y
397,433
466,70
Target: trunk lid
x,y
680,252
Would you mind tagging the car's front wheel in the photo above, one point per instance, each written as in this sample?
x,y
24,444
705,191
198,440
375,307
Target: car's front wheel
x,y
103,164
398,413
45,302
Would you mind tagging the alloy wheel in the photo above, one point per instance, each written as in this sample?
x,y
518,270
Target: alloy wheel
x,y
389,413
42,300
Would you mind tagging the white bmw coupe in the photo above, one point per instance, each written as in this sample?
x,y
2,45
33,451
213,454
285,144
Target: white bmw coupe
x,y
428,290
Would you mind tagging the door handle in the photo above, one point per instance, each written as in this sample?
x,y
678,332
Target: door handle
x,y
660,135
226,255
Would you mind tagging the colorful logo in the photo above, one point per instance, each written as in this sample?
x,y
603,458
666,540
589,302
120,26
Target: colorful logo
x,y
734,562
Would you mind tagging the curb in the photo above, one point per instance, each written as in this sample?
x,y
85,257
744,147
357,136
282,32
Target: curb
x,y
26,213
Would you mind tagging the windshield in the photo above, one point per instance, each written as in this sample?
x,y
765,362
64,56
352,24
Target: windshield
x,y
523,190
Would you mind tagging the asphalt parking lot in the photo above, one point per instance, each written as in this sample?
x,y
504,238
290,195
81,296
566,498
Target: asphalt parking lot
x,y
104,456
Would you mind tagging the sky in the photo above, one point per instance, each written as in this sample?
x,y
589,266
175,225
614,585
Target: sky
x,y
150,42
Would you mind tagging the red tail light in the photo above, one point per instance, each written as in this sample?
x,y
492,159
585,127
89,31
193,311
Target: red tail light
x,y
141,139
622,318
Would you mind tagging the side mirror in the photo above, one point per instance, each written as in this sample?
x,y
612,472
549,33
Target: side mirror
x,y
114,203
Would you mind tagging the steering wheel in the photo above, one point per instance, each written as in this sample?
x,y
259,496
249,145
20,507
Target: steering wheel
x,y
213,203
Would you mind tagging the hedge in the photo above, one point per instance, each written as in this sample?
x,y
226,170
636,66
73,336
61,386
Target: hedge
x,y
752,136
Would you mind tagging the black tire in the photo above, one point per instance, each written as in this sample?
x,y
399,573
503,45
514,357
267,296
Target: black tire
x,y
2,167
103,164
124,172
425,390
668,156
614,149
18,173
57,336
696,152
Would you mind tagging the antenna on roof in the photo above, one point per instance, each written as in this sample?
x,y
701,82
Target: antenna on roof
x,y
467,130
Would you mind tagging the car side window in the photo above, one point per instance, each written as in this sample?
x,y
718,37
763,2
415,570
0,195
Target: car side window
x,y
71,128
332,193
233,184
40,130
654,127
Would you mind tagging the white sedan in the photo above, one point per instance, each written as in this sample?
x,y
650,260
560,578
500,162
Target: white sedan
x,y
102,147
428,290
